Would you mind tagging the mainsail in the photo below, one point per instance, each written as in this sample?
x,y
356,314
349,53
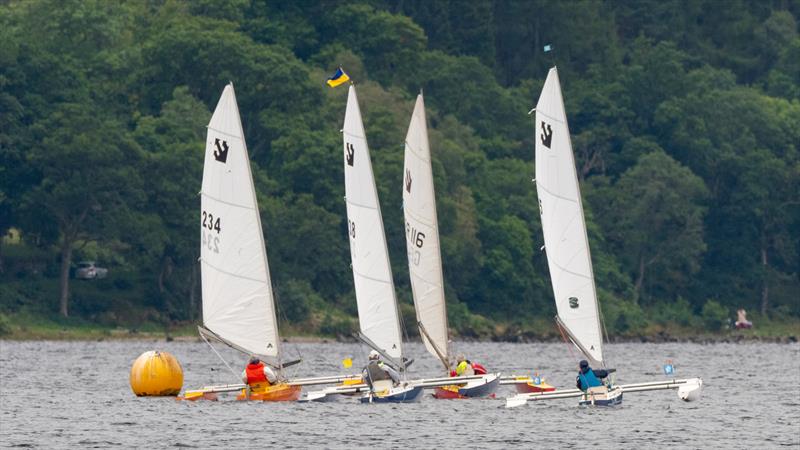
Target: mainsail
x,y
422,236
238,305
566,242
372,274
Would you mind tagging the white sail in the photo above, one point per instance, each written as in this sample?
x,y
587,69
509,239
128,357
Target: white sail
x,y
422,235
563,225
237,293
372,274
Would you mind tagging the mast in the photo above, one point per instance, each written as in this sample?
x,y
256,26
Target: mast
x,y
563,224
378,314
238,303
422,237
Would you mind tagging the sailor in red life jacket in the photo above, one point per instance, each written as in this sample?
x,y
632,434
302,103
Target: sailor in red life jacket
x,y
258,374
465,367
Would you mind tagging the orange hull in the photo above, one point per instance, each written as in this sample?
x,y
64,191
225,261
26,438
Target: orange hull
x,y
530,387
451,392
275,393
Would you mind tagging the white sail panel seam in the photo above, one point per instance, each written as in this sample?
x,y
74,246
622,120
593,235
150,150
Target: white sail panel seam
x,y
431,283
552,118
411,214
556,195
232,274
363,206
210,197
347,133
378,280
226,133
416,153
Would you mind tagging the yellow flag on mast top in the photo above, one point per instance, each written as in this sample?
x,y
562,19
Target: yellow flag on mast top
x,y
338,78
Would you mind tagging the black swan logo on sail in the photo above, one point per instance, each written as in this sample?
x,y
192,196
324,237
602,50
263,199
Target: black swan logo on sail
x,y
350,153
547,134
408,181
573,302
221,151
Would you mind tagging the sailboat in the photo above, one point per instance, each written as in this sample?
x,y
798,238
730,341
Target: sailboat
x,y
378,317
238,303
424,257
568,256
564,228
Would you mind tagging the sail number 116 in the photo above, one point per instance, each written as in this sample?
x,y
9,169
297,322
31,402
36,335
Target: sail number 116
x,y
415,236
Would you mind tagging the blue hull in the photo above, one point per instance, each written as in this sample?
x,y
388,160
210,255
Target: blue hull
x,y
484,390
409,396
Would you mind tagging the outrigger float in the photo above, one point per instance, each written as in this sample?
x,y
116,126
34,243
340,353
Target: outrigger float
x,y
472,381
689,389
278,392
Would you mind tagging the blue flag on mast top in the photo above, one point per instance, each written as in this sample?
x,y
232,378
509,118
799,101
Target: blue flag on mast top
x,y
338,78
547,48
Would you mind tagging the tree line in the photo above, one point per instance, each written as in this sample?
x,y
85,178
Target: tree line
x,y
685,121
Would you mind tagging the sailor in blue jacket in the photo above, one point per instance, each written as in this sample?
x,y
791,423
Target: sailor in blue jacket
x,y
590,378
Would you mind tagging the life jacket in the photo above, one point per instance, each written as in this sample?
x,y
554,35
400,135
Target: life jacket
x,y
255,374
464,368
479,369
376,373
588,379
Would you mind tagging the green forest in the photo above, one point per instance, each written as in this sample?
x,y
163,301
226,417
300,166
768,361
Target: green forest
x,y
684,116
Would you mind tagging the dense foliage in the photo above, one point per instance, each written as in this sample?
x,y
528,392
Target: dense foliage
x,y
685,118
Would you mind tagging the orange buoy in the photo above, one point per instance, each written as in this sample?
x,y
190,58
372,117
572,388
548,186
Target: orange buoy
x,y
156,373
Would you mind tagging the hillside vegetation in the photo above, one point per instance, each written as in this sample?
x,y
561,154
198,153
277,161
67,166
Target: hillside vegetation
x,y
685,121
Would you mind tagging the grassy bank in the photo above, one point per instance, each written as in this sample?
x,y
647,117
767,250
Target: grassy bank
x,y
126,306
26,326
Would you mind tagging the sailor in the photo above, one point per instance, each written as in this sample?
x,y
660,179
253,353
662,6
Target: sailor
x,y
376,370
465,367
257,374
587,377
741,321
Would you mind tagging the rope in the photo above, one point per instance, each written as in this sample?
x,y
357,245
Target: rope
x,y
220,357
566,341
605,331
281,314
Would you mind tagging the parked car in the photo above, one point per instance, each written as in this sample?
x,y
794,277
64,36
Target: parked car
x,y
88,270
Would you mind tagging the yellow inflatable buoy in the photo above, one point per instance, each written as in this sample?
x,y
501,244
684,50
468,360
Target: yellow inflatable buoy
x,y
156,373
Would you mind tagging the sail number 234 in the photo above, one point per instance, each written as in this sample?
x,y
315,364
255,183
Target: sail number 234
x,y
211,224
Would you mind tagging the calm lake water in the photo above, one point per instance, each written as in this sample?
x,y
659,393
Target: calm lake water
x,y
76,394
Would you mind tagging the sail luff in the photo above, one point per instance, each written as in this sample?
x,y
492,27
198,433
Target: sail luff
x,y
563,223
422,236
378,312
271,316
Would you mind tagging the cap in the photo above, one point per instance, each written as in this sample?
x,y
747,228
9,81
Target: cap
x,y
374,355
584,364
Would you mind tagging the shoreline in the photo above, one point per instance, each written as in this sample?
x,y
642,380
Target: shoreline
x,y
656,338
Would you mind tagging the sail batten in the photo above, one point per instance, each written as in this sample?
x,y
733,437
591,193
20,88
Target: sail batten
x,y
563,224
238,304
378,316
422,236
